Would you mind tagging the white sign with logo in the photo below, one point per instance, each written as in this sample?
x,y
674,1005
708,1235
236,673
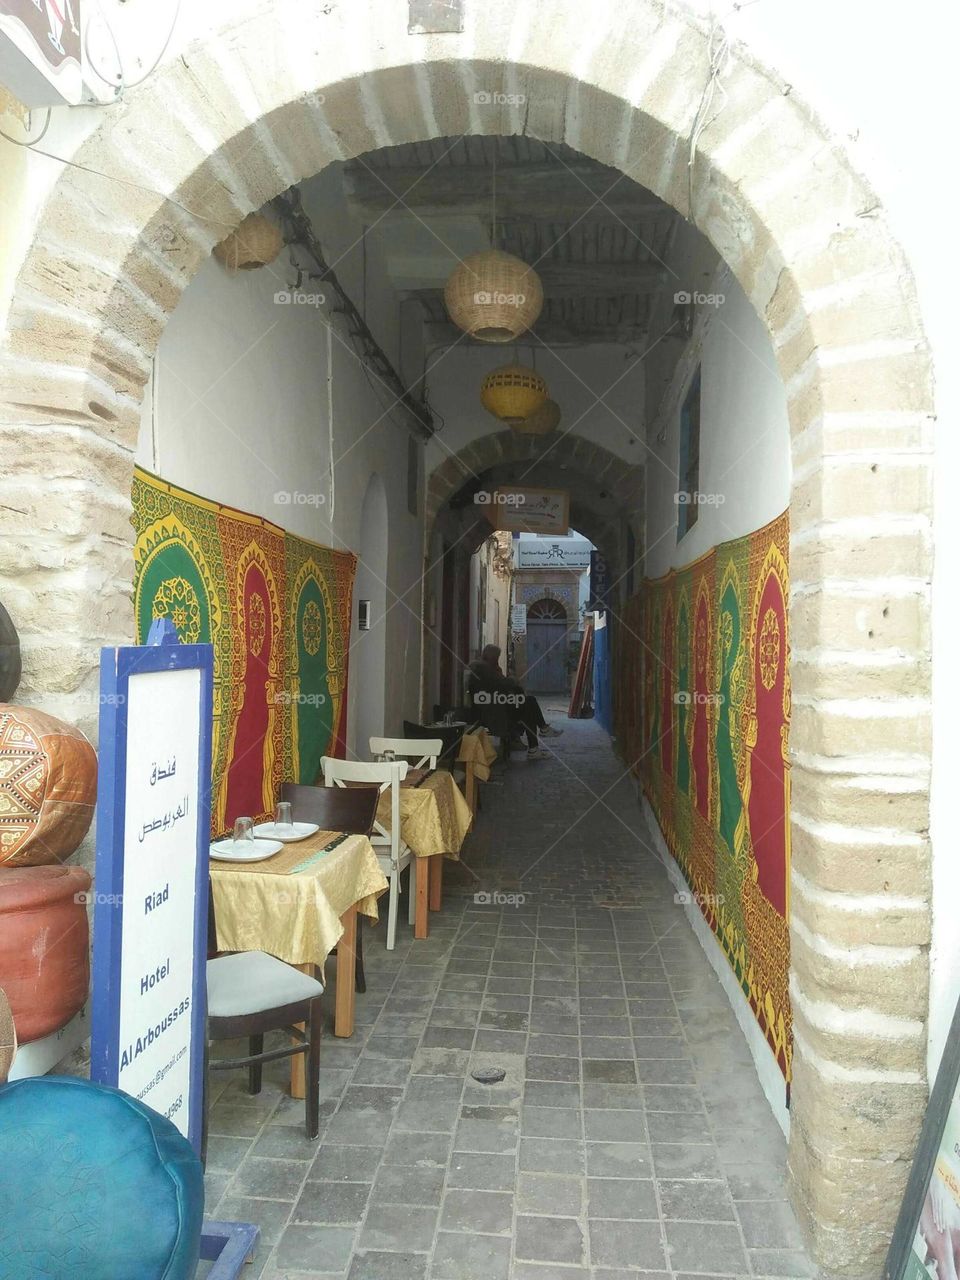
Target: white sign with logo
x,y
518,619
153,839
553,553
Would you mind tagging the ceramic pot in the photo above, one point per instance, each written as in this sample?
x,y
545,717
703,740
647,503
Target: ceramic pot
x,y
48,787
44,946
9,657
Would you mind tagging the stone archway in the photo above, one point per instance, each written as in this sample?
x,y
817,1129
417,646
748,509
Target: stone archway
x,y
260,106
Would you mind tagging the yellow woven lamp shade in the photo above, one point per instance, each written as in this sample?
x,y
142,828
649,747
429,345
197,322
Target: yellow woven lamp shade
x,y
493,296
255,243
512,392
541,421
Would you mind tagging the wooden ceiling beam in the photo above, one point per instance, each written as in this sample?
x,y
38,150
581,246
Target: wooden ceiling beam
x,y
554,192
446,334
586,280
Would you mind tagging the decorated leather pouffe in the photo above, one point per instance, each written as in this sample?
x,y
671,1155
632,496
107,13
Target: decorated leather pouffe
x,y
48,787
44,946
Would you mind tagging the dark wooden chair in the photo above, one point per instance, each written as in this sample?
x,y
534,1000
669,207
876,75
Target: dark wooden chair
x,y
450,735
348,809
250,993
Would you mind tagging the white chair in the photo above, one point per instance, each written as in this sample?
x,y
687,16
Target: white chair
x,y
392,853
423,750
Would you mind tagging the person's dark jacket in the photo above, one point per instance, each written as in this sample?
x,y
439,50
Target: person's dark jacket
x,y
496,716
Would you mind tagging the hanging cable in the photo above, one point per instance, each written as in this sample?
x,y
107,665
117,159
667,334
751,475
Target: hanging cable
x,y
30,143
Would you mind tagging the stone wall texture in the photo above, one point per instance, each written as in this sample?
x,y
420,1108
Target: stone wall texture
x,y
279,92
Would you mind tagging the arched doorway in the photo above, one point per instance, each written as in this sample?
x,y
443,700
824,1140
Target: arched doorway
x,y
259,106
547,627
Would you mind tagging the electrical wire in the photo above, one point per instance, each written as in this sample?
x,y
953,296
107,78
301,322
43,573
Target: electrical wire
x,y
30,143
122,84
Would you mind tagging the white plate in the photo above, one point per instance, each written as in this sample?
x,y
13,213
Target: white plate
x,y
270,831
244,850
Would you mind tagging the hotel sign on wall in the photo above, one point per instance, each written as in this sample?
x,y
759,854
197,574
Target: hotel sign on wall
x,y
153,843
40,51
522,510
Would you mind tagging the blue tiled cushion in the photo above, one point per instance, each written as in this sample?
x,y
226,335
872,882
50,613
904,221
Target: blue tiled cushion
x,y
94,1186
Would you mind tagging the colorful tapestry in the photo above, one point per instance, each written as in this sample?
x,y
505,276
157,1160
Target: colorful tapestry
x,y
702,717
277,610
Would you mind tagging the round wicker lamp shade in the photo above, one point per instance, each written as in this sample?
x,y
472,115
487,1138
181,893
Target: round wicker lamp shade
x,y
512,392
255,243
493,296
541,422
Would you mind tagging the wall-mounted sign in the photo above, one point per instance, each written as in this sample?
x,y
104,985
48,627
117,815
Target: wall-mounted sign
x,y
523,510
518,619
598,597
40,60
553,553
151,889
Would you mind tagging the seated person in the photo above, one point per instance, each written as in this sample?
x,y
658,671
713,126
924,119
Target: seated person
x,y
507,695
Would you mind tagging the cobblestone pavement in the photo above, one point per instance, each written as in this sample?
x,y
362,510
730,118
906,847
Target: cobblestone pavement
x,y
629,1136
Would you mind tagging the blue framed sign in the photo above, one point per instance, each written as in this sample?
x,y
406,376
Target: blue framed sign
x,y
151,891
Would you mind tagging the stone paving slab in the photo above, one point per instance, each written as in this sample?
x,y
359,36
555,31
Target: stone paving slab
x,y
629,1136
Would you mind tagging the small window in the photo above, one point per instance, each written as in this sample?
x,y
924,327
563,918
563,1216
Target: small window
x,y
688,491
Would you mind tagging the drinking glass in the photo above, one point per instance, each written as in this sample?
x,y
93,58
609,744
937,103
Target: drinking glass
x,y
243,831
284,816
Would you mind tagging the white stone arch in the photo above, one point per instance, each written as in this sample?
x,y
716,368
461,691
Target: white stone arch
x,y
279,91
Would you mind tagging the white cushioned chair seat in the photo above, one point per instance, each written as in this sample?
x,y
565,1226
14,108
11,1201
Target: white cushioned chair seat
x,y
252,981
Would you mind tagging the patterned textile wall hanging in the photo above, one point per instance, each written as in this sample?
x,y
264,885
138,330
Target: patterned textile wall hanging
x,y
702,716
277,609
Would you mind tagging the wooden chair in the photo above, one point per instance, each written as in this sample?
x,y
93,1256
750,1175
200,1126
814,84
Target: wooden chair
x,y
392,852
351,810
424,748
250,993
450,735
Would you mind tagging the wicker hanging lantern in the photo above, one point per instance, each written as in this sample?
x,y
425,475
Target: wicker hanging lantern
x,y
541,422
255,243
493,296
512,392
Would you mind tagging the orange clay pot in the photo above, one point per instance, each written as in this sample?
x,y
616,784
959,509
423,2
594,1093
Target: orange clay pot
x,y
44,946
48,787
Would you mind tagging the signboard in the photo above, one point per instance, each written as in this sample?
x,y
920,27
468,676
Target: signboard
x,y
523,510
599,581
40,57
153,846
518,619
553,553
925,1240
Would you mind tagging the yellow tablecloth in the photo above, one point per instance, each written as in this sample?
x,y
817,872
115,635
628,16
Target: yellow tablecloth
x,y
290,905
477,749
434,817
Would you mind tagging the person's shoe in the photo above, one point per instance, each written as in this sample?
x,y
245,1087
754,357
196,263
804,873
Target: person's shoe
x,y
548,731
537,753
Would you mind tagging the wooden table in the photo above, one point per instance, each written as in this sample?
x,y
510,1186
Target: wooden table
x,y
300,904
434,819
477,754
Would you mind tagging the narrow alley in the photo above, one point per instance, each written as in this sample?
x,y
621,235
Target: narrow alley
x,y
629,1135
